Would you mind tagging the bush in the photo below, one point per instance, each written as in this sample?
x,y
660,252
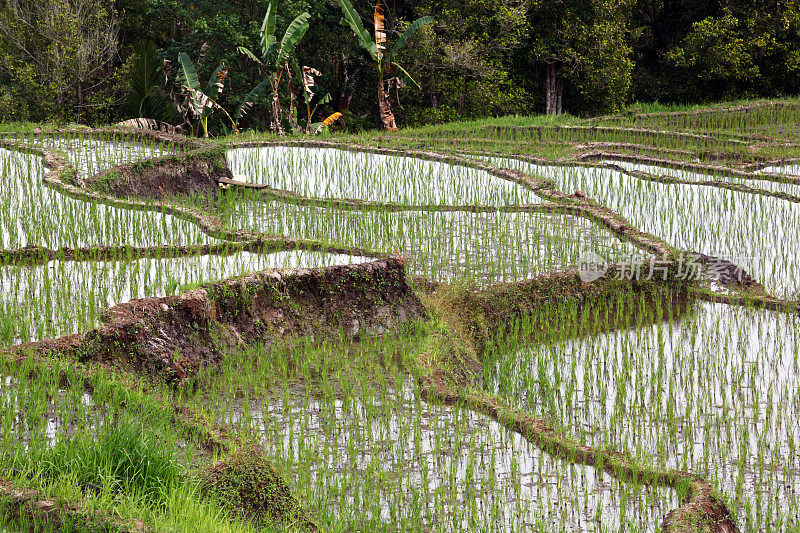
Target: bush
x,y
249,485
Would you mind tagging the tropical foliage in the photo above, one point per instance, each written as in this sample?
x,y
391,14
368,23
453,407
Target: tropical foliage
x,y
198,104
275,58
390,74
76,59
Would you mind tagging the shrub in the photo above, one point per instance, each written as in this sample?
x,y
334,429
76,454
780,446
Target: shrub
x,y
249,485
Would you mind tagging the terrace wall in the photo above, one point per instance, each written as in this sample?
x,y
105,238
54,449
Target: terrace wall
x,y
174,336
193,173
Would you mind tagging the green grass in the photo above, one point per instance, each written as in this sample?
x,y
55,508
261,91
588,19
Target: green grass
x,y
708,389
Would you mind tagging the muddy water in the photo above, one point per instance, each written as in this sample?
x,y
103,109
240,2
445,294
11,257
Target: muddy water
x,y
41,415
479,248
64,297
332,173
759,233
32,214
419,466
716,393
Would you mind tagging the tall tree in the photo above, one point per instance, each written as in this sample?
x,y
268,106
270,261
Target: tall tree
x,y
582,43
62,52
466,64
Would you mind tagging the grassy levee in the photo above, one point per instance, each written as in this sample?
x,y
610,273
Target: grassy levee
x,y
106,482
141,463
755,120
451,371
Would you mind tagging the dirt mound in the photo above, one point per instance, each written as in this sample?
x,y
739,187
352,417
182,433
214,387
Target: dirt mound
x,y
701,512
174,336
192,174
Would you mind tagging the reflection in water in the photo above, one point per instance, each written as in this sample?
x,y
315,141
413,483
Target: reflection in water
x,y
63,297
392,457
332,173
714,392
754,231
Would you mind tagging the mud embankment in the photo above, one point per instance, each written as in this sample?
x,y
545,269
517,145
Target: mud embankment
x,y
193,174
173,337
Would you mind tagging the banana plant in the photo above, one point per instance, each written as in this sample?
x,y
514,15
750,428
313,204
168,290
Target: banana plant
x,y
200,103
275,56
312,103
390,73
249,101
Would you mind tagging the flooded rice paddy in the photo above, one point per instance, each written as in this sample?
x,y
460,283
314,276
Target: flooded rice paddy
x,y
385,456
327,173
33,214
754,231
713,391
90,156
447,246
64,297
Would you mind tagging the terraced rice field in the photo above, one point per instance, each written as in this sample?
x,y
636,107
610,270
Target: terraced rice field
x,y
498,385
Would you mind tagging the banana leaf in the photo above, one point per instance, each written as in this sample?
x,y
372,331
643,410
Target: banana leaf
x,y
187,74
406,77
380,30
246,51
216,82
351,18
294,33
250,99
267,36
327,122
403,40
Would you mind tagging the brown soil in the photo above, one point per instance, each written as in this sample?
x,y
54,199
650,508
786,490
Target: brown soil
x,y
186,175
37,255
172,337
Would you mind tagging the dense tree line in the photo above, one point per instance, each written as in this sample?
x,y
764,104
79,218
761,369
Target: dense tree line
x,y
75,59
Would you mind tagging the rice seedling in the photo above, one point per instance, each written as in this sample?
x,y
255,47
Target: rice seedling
x,y
363,449
327,173
113,455
93,154
448,246
63,297
747,229
712,392
705,388
32,214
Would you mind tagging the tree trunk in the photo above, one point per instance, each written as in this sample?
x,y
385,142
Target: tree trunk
x,y
347,85
385,108
275,113
553,90
292,108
